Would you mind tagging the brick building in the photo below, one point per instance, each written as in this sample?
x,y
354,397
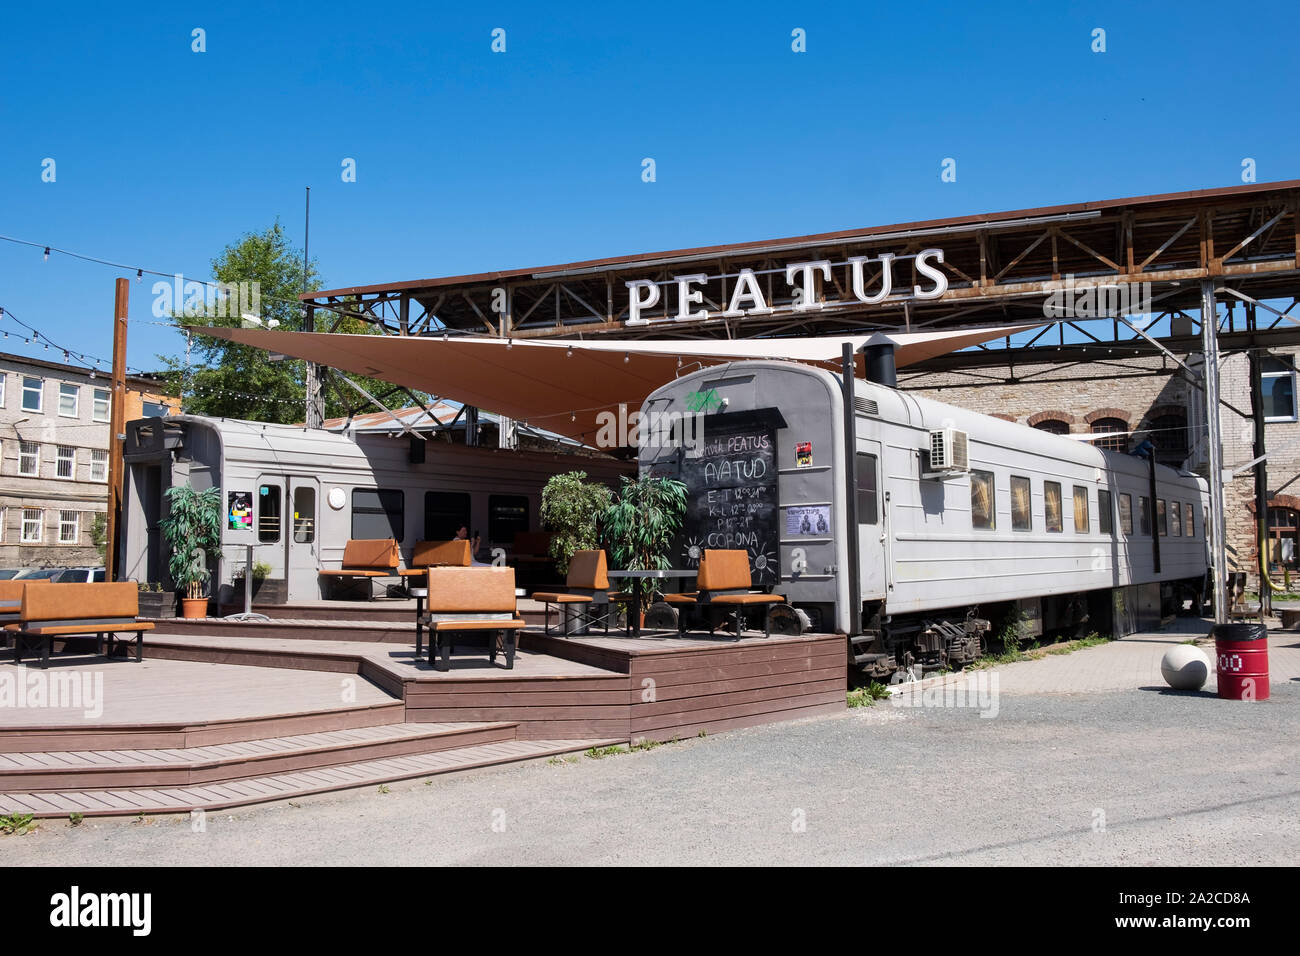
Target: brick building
x,y
1151,398
54,439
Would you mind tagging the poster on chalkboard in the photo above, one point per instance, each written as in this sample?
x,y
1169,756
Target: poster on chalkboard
x,y
239,513
731,495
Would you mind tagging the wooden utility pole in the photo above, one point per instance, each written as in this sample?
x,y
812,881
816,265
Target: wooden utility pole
x,y
116,427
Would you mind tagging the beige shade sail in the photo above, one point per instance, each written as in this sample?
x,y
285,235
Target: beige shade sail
x,y
562,385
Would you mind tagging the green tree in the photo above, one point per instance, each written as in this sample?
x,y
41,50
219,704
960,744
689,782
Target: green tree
x,y
240,381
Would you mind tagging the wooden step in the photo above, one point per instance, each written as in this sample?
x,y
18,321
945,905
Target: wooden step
x,y
224,762
156,736
129,801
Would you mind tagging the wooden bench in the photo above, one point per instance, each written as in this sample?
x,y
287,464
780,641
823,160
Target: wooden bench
x,y
588,584
1290,616
71,610
724,580
471,599
367,558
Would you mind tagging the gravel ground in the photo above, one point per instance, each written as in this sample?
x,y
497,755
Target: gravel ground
x,y
1135,777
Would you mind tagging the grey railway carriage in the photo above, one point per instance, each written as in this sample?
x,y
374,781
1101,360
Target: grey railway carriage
x,y
962,518
298,495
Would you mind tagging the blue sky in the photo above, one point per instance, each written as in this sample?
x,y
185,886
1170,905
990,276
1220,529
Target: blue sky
x,y
471,161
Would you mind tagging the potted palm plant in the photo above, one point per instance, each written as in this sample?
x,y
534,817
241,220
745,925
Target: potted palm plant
x,y
640,524
572,508
192,530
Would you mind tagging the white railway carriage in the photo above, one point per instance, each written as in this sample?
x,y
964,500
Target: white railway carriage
x,y
299,495
961,518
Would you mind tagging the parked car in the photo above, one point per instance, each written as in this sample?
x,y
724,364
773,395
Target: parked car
x,y
37,574
78,575
6,575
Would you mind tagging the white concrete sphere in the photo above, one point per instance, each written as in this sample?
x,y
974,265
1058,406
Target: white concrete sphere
x,y
1185,667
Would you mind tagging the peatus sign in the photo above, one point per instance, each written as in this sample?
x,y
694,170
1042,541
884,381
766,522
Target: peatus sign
x,y
747,297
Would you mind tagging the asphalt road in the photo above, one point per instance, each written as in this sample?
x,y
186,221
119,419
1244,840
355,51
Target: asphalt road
x,y
1130,777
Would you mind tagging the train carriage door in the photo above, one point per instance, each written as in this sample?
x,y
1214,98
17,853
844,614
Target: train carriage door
x,y
301,555
872,519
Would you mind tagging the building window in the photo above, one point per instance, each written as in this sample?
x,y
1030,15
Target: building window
x,y
1052,506
445,513
1188,523
1080,510
378,513
507,516
69,399
1169,436
1126,514
99,464
69,527
3,378
1053,426
32,393
66,462
1021,505
868,507
1278,381
1176,518
102,409
1283,532
154,409
29,459
1107,426
1144,516
268,514
32,525
981,499
1105,515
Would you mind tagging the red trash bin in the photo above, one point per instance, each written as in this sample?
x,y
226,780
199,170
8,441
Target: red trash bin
x,y
1241,661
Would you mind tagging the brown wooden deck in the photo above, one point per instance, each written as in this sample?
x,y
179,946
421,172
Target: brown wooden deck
x,y
209,721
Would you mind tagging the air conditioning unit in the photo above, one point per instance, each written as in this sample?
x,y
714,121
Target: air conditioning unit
x,y
949,451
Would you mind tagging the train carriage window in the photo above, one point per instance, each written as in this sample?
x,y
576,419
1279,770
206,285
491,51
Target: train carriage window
x,y
868,490
1126,513
1081,523
445,513
1144,515
1162,519
1189,523
1021,505
507,516
304,515
378,513
981,499
1052,506
1105,512
1176,519
268,514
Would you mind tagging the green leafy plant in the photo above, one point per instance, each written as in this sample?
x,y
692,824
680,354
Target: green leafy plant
x,y
99,533
192,530
639,525
261,571
572,508
868,695
76,818
16,824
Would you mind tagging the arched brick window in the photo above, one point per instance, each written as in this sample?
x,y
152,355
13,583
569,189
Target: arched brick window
x,y
1053,426
1104,426
1169,435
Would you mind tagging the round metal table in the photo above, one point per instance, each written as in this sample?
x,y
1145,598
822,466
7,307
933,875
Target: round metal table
x,y
636,577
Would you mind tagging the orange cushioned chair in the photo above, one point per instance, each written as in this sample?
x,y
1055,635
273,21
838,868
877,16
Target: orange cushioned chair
x,y
68,610
472,599
724,580
588,584
438,554
368,558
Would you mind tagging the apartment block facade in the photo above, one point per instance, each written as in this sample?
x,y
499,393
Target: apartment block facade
x,y
54,440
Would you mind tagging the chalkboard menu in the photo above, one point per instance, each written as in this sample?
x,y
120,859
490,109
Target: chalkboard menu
x,y
731,492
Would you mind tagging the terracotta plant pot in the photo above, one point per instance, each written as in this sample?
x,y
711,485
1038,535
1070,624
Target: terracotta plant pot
x,y
194,607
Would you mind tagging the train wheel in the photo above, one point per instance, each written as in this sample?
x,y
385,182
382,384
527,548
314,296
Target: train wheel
x,y
789,621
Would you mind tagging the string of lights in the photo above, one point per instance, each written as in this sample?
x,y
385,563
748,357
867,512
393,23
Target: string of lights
x,y
35,335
